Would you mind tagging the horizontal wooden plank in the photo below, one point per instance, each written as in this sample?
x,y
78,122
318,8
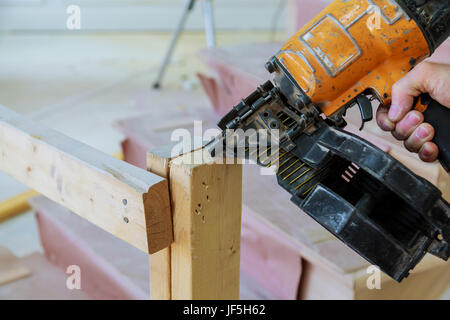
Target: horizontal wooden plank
x,y
124,200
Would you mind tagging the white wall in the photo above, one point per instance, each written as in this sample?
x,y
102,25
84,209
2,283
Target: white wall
x,y
156,15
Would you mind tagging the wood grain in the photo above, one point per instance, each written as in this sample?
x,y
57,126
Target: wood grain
x,y
206,206
126,201
160,264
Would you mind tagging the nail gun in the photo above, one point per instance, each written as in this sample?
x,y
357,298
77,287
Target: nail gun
x,y
350,55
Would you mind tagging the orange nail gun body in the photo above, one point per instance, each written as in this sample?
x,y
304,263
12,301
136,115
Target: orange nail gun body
x,y
352,47
349,55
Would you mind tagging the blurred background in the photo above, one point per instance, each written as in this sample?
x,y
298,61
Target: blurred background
x,y
43,63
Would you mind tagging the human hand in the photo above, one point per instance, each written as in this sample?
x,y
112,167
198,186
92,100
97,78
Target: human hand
x,y
408,125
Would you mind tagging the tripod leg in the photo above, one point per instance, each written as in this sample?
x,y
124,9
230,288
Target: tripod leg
x,y
209,23
189,5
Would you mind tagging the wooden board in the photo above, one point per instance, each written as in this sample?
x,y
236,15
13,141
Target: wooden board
x,y
47,282
206,208
11,269
320,283
160,262
110,268
126,201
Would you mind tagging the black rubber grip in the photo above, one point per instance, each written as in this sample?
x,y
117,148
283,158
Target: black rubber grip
x,y
439,117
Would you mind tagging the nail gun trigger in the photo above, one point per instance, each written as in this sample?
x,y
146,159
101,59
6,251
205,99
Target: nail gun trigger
x,y
365,108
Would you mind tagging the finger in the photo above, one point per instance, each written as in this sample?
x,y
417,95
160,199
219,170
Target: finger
x,y
405,127
403,93
383,119
421,135
429,152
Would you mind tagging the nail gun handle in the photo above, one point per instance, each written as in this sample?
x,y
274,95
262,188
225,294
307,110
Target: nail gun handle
x,y
439,117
